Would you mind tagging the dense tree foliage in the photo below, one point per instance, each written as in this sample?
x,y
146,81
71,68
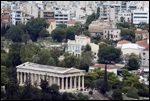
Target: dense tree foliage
x,y
70,33
62,26
35,26
133,64
44,33
25,38
58,34
15,34
45,58
109,54
14,54
55,53
70,61
117,94
29,52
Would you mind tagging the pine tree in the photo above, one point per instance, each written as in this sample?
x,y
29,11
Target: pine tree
x,y
105,79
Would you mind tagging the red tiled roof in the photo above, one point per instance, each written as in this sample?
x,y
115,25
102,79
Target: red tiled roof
x,y
3,21
140,32
102,43
103,66
123,42
83,36
4,16
51,20
97,23
147,48
6,10
71,22
142,43
17,10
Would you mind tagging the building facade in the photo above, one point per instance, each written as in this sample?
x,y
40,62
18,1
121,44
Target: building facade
x,y
126,15
65,78
140,16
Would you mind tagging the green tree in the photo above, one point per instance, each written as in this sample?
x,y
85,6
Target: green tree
x,y
25,38
45,58
70,33
70,61
4,80
2,51
22,26
87,33
14,54
35,26
44,33
65,96
44,85
109,54
90,79
55,53
98,13
78,28
28,52
62,26
86,60
58,34
14,33
133,64
146,27
3,59
117,94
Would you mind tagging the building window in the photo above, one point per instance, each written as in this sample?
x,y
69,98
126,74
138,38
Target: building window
x,y
70,47
105,31
78,40
73,47
116,36
51,27
81,41
143,53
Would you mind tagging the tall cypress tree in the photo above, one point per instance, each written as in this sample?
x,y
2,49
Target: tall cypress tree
x,y
105,78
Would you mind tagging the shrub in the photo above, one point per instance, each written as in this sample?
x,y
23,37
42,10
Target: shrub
x,y
144,92
117,95
133,93
126,89
91,92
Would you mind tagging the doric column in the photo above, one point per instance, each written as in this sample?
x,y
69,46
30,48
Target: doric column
x,y
31,78
79,83
58,81
54,79
43,77
62,83
18,77
49,80
83,82
70,82
24,77
66,82
39,79
75,82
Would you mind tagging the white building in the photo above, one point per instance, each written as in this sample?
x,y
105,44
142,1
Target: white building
x,y
102,66
126,15
131,48
62,17
140,16
75,46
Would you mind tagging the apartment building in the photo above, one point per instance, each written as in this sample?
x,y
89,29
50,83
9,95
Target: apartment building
x,y
126,15
18,16
140,16
145,57
62,17
31,9
109,11
47,14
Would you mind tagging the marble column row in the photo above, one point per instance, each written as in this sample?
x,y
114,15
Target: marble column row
x,y
63,84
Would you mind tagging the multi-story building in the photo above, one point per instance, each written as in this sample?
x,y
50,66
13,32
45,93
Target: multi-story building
x,y
18,16
75,46
31,9
145,56
47,14
126,15
62,17
140,16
